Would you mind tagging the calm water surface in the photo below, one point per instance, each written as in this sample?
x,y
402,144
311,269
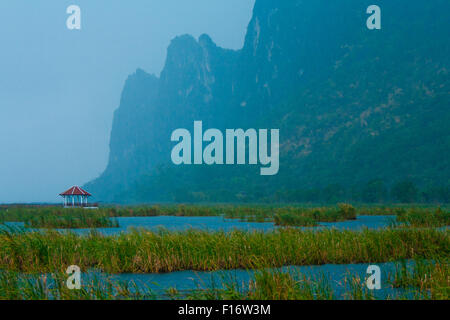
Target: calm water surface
x,y
172,223
185,281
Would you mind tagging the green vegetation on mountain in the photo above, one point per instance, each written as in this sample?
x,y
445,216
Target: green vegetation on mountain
x,y
363,114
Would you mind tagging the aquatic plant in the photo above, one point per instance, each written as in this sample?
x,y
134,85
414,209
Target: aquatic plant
x,y
142,251
422,280
58,217
16,286
53,217
430,278
414,217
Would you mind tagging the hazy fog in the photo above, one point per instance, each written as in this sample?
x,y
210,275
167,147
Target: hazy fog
x,y
59,88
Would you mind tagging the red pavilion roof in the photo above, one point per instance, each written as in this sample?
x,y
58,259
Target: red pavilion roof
x,y
75,191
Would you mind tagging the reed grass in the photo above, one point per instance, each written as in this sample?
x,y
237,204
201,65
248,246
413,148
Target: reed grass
x,y
431,278
58,218
423,280
414,217
415,280
154,252
86,220
265,285
312,216
16,286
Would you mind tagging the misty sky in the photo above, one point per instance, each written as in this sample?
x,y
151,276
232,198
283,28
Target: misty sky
x,y
59,88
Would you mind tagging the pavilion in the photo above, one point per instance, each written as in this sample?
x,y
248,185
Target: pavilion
x,y
75,197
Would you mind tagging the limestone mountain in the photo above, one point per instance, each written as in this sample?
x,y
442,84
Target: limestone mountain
x,y
353,105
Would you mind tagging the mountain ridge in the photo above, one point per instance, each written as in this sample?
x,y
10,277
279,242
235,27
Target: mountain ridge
x,y
352,105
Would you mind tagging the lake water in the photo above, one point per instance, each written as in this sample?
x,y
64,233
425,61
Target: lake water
x,y
337,278
185,281
222,224
172,223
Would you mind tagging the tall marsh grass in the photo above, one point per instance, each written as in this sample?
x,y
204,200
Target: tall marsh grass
x,y
432,278
58,217
413,280
154,252
16,286
414,217
291,216
52,218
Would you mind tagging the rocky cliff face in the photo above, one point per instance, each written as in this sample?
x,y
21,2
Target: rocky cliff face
x,y
196,80
352,104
